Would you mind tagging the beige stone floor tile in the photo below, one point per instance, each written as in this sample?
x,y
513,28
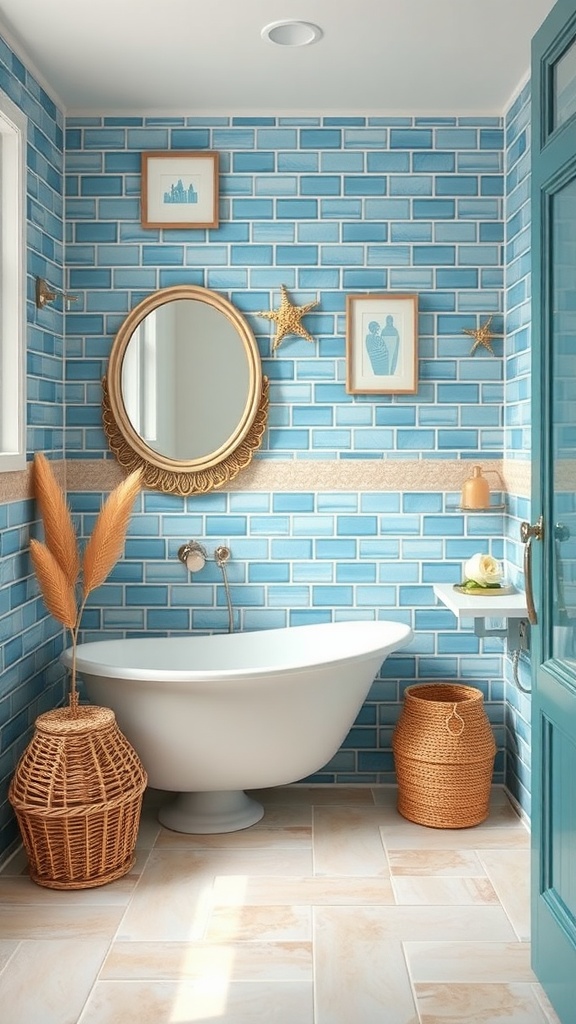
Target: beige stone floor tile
x,y
361,973
543,1001
147,833
404,924
356,796
347,841
7,947
48,982
220,928
285,891
434,862
246,839
191,961
20,889
509,872
47,921
412,836
430,890
233,861
503,814
497,1003
172,899
284,816
385,796
190,1002
270,924
469,961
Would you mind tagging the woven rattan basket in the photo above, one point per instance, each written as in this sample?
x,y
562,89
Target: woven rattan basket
x,y
77,794
444,753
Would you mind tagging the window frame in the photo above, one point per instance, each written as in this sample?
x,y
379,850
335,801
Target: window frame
x,y
13,142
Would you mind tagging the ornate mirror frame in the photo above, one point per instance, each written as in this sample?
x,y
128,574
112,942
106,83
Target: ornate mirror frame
x,y
215,469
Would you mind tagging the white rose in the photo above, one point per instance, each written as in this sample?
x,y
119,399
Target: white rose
x,y
483,570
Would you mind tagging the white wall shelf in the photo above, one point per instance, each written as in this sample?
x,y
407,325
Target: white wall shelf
x,y
509,607
470,606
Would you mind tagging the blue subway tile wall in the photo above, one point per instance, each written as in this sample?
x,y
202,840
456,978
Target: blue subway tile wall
x,y
325,556
31,680
517,412
325,210
325,207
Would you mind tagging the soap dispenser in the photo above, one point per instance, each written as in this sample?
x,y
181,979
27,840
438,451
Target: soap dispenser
x,y
475,491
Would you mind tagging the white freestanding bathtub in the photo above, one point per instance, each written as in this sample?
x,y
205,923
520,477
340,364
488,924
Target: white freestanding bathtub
x,y
211,716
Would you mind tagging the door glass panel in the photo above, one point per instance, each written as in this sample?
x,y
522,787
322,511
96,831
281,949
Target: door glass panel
x,y
563,415
564,89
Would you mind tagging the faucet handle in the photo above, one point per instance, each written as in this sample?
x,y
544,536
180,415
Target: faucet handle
x,y
193,555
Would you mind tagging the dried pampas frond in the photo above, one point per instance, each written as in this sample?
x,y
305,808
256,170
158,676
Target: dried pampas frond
x,y
105,545
57,562
57,592
58,527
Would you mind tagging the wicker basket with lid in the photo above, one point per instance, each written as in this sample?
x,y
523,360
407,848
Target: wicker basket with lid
x,y
444,753
77,794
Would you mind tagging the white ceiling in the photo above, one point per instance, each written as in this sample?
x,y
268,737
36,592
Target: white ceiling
x,y
207,56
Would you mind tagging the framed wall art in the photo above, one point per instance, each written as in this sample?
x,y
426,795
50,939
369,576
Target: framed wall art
x,y
180,190
382,344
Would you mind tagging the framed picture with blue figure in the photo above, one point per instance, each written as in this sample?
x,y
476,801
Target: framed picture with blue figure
x,y
381,344
179,190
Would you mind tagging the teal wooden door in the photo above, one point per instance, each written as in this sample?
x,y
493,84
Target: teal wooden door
x,y
553,544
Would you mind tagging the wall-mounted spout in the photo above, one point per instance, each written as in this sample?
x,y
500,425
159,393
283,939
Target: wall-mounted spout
x,y
194,556
222,554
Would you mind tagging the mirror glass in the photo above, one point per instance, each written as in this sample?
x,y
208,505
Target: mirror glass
x,y
185,379
184,396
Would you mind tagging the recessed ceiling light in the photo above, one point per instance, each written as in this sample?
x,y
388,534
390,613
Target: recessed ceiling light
x,y
291,33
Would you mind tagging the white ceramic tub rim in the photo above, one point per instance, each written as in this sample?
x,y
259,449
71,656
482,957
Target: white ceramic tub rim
x,y
372,636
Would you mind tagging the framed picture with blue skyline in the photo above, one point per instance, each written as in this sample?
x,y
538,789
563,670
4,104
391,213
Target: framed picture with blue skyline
x,y
180,190
381,344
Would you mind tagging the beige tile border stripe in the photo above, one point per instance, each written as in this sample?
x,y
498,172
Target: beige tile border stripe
x,y
304,475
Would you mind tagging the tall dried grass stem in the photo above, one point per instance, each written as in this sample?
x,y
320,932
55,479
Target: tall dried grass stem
x,y
57,591
59,530
105,545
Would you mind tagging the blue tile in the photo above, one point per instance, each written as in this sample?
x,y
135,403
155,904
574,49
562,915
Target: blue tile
x,y
332,596
365,185
276,185
168,619
456,185
386,162
299,162
320,185
252,209
293,209
320,138
411,185
434,209
410,232
269,572
372,138
443,526
434,255
411,138
292,548
457,138
244,162
356,526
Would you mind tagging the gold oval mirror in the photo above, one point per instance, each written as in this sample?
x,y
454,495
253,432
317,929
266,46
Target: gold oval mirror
x,y
184,397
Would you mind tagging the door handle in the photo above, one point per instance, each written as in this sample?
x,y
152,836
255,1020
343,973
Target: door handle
x,y
528,533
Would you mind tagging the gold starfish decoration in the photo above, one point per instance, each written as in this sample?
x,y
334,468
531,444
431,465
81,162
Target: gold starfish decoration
x,y
288,318
483,336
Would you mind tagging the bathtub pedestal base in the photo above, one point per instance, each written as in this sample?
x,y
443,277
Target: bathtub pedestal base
x,y
211,813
